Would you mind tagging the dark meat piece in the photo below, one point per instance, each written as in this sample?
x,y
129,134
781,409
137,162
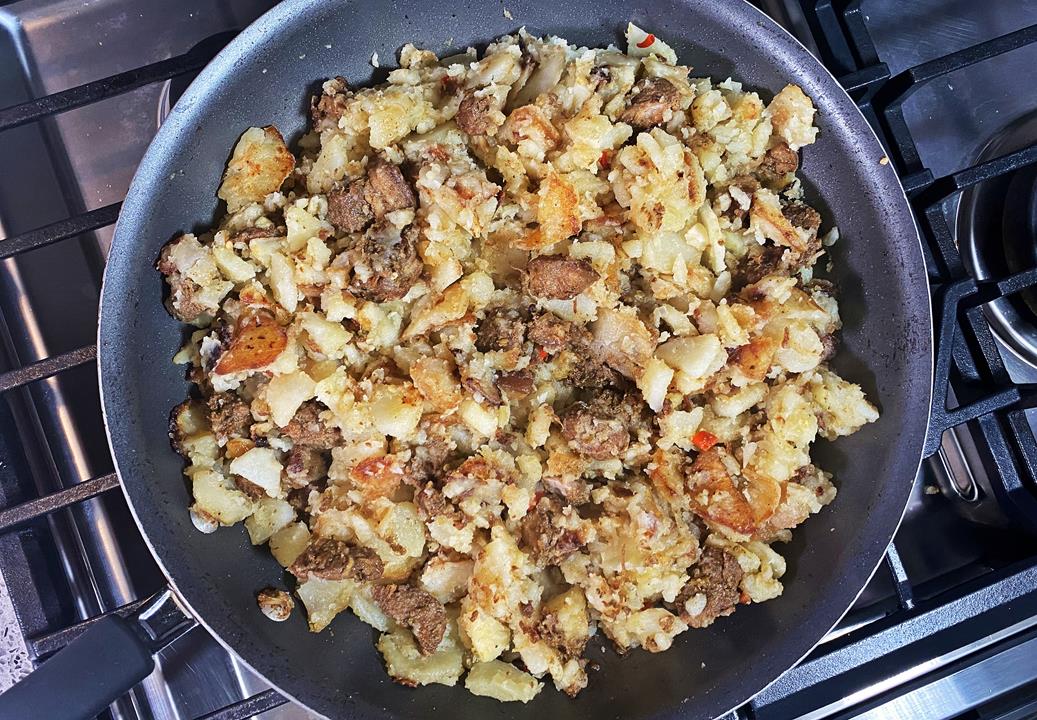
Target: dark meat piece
x,y
802,215
516,383
430,501
574,490
387,264
428,458
326,109
589,372
304,466
387,190
830,343
716,575
348,209
759,262
482,390
307,430
550,333
651,99
546,543
333,559
778,162
230,416
501,329
415,608
253,491
600,428
475,115
558,276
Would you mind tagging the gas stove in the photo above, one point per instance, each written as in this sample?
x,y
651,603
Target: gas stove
x,y
947,628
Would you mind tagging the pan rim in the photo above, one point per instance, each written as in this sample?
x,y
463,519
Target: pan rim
x,y
282,12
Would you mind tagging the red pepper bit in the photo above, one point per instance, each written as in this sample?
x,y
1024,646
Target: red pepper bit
x,y
605,159
703,440
541,354
647,41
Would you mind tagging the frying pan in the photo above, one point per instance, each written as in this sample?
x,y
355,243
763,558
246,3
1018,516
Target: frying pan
x,y
263,77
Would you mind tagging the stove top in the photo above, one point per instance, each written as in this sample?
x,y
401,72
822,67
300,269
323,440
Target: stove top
x,y
947,628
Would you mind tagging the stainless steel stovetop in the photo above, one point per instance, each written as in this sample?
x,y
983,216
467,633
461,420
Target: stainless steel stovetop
x,y
89,558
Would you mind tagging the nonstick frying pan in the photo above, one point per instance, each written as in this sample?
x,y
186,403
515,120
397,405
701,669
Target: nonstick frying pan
x,y
263,77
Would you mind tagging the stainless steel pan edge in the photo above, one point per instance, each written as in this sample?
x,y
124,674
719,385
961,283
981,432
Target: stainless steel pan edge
x,y
121,301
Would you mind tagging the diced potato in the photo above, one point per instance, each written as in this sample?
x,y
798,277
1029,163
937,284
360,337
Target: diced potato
x,y
270,516
569,612
324,599
381,323
444,579
365,607
287,544
261,467
539,427
654,382
405,662
395,410
285,393
738,402
639,45
693,355
434,378
479,419
502,681
232,266
282,282
484,635
217,497
259,164
301,227
623,340
329,337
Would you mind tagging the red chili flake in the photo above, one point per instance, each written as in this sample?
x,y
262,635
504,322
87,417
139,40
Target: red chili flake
x,y
541,354
703,440
605,159
647,41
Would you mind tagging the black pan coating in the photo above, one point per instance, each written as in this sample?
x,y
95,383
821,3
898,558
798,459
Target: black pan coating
x,y
263,77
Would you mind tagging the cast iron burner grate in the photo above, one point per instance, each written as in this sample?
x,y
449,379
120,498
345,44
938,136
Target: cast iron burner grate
x,y
967,361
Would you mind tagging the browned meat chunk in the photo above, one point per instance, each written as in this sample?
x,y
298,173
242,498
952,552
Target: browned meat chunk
x,y
275,604
417,609
778,162
483,391
430,502
651,99
501,329
600,428
430,456
715,577
387,189
305,466
550,333
475,115
558,276
326,109
574,490
333,559
230,417
348,209
759,262
802,215
307,430
546,543
516,383
589,372
387,264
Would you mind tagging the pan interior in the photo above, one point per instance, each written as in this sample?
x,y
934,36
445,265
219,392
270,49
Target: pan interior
x,y
264,77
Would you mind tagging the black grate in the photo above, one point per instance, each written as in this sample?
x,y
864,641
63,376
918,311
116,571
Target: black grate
x,y
967,359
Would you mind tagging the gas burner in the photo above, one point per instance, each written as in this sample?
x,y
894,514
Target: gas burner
x,y
997,236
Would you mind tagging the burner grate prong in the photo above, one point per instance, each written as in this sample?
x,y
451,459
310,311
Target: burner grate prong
x,y
31,509
46,367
